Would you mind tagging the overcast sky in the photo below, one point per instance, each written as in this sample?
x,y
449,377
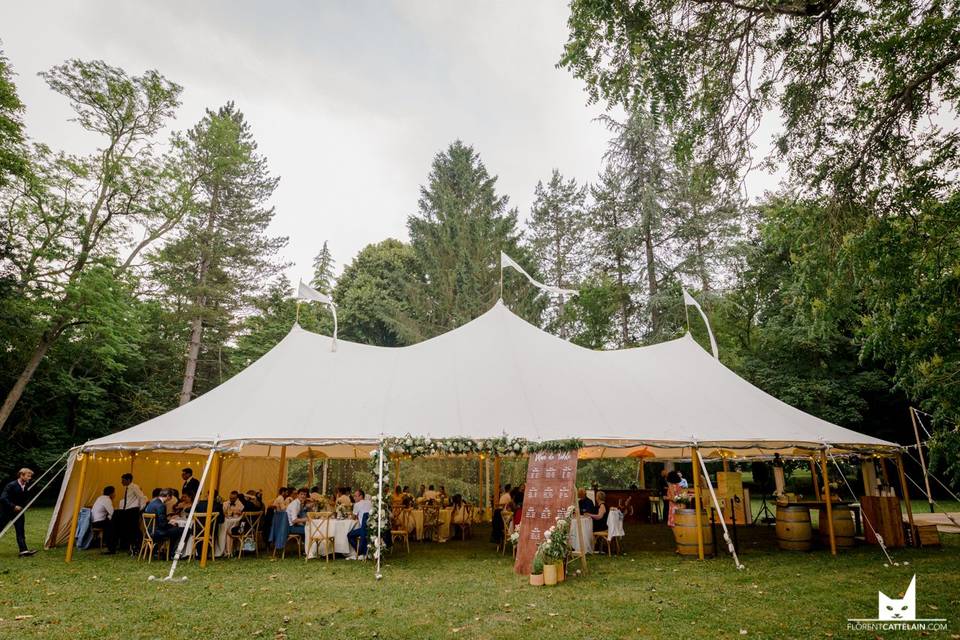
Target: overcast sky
x,y
349,101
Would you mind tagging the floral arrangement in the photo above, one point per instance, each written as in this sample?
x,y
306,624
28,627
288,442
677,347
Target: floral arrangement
x,y
515,537
416,447
683,499
343,511
556,544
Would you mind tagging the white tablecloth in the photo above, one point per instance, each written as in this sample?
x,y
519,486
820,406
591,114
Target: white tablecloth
x,y
338,529
587,525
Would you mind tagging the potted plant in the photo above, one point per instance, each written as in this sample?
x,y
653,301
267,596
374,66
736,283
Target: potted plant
x,y
549,572
536,573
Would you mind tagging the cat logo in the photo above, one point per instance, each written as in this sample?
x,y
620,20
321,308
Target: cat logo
x,y
898,614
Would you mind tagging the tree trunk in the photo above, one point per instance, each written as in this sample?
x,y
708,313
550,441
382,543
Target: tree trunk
x,y
193,354
13,397
651,275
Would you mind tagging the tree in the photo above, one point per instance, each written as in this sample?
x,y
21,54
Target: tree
x,y
558,230
79,213
221,255
323,276
462,226
371,294
14,156
858,85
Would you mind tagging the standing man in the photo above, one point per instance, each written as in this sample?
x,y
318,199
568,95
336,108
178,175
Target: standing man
x,y
126,518
191,486
12,501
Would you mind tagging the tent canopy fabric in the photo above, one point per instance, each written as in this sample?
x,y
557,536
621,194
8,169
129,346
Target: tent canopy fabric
x,y
497,375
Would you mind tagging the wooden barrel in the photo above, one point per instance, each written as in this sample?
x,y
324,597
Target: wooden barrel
x,y
793,527
685,532
843,527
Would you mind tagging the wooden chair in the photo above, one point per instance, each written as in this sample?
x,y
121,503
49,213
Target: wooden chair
x,y
466,518
431,521
507,517
398,528
148,524
319,523
201,531
98,535
601,536
250,530
297,538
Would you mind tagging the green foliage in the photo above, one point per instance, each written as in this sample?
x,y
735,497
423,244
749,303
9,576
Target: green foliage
x,y
14,157
323,276
457,235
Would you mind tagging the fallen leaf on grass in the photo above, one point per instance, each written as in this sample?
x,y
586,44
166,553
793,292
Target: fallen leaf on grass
x,y
23,617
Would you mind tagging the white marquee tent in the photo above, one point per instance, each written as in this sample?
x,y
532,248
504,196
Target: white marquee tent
x,y
497,375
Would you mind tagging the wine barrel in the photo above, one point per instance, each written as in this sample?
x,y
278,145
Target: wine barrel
x,y
843,527
793,527
685,532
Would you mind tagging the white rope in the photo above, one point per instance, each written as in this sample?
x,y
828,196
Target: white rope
x,y
917,413
946,488
930,498
21,513
853,493
189,525
716,503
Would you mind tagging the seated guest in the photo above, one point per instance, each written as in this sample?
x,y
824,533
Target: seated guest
x,y
163,530
516,499
182,506
396,499
460,515
506,499
251,501
600,514
406,490
317,498
407,501
343,497
431,494
358,535
584,503
422,491
233,507
296,511
283,498
442,494
102,518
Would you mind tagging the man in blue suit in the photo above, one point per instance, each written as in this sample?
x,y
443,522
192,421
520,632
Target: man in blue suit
x,y
162,529
13,500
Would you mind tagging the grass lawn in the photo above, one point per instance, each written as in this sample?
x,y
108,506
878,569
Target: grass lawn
x,y
465,590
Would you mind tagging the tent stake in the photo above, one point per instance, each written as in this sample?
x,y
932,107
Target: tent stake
x,y
71,542
695,458
211,490
826,495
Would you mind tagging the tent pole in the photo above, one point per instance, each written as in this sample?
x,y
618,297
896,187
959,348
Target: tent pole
x,y
310,472
398,473
378,539
641,477
816,481
480,482
283,467
906,499
826,495
923,463
211,490
496,480
695,458
324,489
72,540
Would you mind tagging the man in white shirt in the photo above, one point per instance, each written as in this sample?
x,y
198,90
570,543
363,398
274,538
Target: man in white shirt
x,y
358,536
126,519
293,512
431,494
101,517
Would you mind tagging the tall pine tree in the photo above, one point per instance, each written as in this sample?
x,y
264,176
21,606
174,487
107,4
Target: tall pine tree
x,y
222,256
323,277
457,236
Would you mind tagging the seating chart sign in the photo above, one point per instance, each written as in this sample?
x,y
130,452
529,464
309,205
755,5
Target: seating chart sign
x,y
551,481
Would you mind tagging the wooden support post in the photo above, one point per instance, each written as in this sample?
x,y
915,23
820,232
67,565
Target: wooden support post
x,y
496,482
826,495
906,500
208,528
398,473
923,463
813,476
323,490
480,483
883,471
695,458
283,468
641,476
579,523
726,465
77,500
310,473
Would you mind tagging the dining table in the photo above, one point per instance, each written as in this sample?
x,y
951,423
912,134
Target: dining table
x,y
338,530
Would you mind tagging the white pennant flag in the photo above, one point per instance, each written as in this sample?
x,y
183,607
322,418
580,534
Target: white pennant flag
x,y
309,293
688,300
507,261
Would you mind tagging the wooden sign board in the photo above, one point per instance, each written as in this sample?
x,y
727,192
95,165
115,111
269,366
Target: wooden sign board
x,y
551,481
